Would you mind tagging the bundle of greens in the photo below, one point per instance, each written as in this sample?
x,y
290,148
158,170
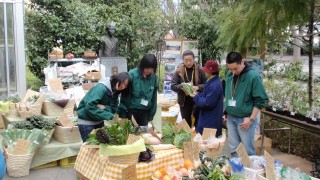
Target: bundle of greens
x,y
214,169
31,100
116,134
168,133
170,137
187,88
14,98
35,121
36,137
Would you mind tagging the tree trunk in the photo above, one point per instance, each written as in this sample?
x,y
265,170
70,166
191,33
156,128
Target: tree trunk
x,y
297,42
310,53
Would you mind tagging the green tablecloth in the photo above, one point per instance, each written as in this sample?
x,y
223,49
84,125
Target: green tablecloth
x,y
53,151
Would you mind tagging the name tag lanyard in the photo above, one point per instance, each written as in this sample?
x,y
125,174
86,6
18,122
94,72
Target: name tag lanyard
x,y
185,70
235,86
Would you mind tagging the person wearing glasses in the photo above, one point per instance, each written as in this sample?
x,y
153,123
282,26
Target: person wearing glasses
x,y
101,103
188,72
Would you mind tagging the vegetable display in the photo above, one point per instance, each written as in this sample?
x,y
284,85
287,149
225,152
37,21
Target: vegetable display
x,y
116,134
35,121
36,137
170,137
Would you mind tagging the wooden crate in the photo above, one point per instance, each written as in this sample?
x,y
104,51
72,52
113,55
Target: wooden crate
x,y
68,162
48,165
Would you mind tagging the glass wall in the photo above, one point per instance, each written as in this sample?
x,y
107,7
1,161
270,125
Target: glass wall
x,y
12,52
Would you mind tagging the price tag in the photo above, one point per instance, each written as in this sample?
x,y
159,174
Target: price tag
x,y
132,139
55,85
187,151
154,134
242,153
134,121
21,147
68,111
183,125
130,172
270,166
65,121
208,132
195,150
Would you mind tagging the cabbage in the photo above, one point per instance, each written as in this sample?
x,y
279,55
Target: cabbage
x,y
168,130
181,137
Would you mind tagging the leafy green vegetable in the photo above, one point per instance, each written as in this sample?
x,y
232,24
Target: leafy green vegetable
x,y
167,130
181,137
187,88
24,125
40,122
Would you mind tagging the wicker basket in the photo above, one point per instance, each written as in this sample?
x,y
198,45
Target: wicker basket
x,y
213,152
67,134
125,159
29,111
13,111
51,109
18,165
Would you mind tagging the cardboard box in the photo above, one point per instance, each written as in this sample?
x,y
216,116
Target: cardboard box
x,y
93,76
267,144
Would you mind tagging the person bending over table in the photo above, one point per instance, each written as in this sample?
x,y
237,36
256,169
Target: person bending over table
x,y
142,102
101,103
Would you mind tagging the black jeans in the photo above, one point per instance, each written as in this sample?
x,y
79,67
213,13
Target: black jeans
x,y
189,109
85,130
141,116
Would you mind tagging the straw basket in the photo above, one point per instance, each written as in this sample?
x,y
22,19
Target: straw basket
x,y
67,134
213,152
25,111
51,109
125,159
13,111
18,165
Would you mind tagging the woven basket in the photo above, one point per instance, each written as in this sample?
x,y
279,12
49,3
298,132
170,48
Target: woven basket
x,y
125,159
67,134
51,109
213,152
13,111
18,165
29,111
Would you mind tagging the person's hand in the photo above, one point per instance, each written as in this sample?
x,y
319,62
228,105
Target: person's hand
x,y
196,88
194,94
101,106
224,118
246,123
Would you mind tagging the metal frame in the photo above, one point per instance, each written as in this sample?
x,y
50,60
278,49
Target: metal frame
x,y
20,60
308,128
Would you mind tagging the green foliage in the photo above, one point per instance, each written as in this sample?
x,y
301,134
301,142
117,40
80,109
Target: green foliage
x,y
33,82
198,22
250,23
81,24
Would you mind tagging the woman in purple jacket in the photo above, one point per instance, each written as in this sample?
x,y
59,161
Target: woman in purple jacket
x,y
210,101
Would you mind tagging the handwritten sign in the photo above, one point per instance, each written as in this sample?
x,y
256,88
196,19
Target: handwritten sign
x,y
270,166
55,85
68,111
183,125
208,132
65,121
191,151
154,134
242,153
132,139
130,172
21,147
134,121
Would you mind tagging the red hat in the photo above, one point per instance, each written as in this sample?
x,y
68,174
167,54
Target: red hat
x,y
211,66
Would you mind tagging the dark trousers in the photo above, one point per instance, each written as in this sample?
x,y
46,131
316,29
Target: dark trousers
x,y
141,116
189,109
85,130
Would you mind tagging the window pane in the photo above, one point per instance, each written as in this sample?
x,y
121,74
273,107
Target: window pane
x,y
3,75
11,49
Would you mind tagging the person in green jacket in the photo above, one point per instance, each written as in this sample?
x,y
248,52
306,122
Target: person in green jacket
x,y
101,103
142,102
244,97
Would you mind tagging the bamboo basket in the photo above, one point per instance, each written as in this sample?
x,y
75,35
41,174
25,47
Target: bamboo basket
x,y
125,159
67,134
18,165
51,109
